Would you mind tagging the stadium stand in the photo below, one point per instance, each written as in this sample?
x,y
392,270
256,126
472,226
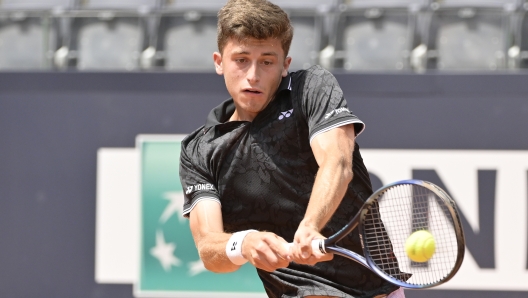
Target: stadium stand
x,y
341,35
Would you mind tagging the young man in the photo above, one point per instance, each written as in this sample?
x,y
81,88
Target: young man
x,y
277,163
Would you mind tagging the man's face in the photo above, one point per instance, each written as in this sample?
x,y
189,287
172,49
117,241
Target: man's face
x,y
252,71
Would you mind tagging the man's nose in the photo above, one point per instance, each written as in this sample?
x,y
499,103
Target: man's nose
x,y
252,74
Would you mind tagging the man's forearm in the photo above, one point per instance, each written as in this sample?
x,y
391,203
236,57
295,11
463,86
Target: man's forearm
x,y
212,252
333,151
209,236
329,188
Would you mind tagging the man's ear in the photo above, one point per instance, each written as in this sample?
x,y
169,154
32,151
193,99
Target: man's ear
x,y
286,66
217,57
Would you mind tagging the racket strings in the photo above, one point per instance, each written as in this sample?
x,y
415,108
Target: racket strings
x,y
380,245
397,213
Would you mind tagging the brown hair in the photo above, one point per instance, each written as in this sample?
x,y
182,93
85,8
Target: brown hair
x,y
259,19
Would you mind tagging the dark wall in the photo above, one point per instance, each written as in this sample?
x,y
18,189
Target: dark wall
x,y
51,125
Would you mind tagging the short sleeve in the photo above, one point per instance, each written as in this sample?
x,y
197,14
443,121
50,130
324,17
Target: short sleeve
x,y
196,182
324,105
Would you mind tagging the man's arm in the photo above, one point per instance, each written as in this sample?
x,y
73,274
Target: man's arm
x,y
264,250
333,152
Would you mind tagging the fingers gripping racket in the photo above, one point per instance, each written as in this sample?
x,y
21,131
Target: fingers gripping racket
x,y
386,221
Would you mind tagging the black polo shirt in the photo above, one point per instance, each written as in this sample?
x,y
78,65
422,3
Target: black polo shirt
x,y
262,173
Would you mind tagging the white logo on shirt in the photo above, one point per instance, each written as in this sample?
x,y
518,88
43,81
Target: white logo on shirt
x,y
196,187
285,114
336,111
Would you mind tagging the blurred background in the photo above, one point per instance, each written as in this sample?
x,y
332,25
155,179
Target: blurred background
x,y
80,75
341,35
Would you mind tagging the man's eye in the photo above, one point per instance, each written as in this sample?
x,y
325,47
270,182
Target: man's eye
x,y
268,62
240,60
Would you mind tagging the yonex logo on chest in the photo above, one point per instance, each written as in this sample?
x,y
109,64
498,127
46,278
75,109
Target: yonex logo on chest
x,y
285,114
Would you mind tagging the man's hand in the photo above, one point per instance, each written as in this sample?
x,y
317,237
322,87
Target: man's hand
x,y
266,251
302,252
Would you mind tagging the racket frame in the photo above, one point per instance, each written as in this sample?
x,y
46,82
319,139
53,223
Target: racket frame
x,y
329,244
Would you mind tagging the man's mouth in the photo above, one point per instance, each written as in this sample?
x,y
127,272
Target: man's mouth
x,y
252,91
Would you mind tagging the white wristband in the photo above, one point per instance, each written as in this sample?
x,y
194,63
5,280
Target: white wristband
x,y
234,247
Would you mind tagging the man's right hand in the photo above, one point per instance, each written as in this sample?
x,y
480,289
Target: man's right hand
x,y
266,251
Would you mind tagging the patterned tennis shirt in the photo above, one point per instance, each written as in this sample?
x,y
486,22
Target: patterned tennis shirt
x,y
262,173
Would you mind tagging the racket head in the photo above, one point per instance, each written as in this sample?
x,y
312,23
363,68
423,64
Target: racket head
x,y
392,214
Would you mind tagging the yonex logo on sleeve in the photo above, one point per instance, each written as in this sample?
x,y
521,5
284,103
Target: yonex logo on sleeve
x,y
285,114
336,111
196,187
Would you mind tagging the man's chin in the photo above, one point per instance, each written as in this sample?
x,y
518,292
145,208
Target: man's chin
x,y
254,106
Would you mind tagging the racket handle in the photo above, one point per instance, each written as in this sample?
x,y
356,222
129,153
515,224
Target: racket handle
x,y
317,245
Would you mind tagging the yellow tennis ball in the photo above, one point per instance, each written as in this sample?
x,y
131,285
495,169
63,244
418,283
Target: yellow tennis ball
x,y
420,246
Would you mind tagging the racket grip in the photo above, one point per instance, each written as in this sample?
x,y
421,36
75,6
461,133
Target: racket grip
x,y
317,245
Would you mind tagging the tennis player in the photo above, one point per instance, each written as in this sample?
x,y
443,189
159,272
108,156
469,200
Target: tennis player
x,y
276,163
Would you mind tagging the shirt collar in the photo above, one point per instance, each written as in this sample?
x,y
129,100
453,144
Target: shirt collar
x,y
285,83
223,112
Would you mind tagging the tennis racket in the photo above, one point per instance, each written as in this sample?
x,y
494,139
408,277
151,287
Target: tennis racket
x,y
385,222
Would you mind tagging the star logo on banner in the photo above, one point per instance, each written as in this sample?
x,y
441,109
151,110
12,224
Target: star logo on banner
x,y
175,205
164,252
196,267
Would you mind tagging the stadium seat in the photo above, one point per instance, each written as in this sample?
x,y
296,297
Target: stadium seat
x,y
310,20
375,35
469,35
109,34
29,33
187,34
518,52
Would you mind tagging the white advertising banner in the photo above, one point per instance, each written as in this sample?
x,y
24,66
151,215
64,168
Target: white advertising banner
x,y
489,187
